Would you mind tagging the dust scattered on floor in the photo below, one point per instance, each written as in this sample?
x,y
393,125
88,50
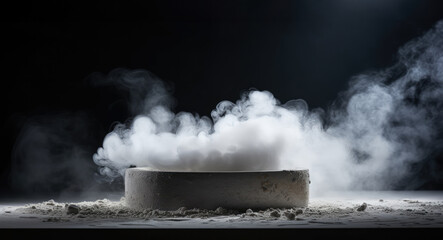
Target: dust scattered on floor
x,y
319,211
114,209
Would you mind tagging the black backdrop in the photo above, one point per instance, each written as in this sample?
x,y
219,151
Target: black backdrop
x,y
208,51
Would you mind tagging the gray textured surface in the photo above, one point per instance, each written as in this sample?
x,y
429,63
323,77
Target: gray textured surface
x,y
385,209
208,190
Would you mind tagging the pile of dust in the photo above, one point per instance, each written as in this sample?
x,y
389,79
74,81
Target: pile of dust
x,y
105,208
318,210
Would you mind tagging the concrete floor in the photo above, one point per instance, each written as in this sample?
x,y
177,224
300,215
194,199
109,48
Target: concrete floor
x,y
337,210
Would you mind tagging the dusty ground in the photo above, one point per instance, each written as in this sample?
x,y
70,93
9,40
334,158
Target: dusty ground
x,y
333,210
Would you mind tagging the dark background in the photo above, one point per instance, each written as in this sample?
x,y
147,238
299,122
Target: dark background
x,y
208,51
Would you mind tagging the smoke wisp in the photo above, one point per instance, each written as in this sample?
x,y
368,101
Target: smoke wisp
x,y
373,137
51,157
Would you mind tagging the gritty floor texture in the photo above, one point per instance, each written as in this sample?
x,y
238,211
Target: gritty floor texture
x,y
387,209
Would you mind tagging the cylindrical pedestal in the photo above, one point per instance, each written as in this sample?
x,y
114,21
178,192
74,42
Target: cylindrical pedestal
x,y
145,188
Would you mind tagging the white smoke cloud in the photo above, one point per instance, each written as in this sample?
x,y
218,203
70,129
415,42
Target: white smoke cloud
x,y
384,123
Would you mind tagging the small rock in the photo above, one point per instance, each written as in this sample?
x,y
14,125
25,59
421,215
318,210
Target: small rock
x,y
181,211
289,215
249,211
274,214
362,207
7,211
381,200
298,211
220,211
73,209
33,207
